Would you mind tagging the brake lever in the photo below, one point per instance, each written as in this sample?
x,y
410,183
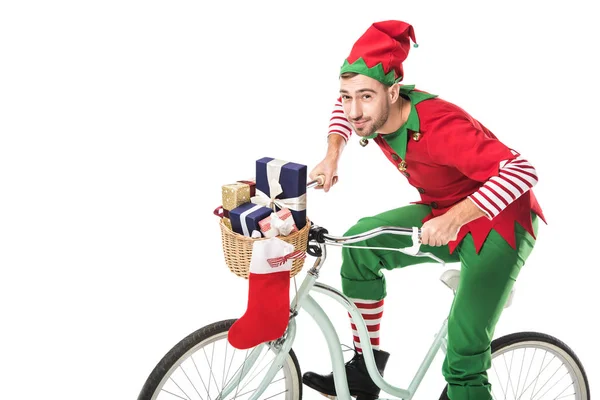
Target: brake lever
x,y
415,249
430,255
416,243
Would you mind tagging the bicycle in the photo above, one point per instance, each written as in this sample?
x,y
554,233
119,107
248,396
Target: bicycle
x,y
188,369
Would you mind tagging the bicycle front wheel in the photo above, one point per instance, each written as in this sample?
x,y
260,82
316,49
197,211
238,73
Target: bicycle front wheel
x,y
205,366
532,365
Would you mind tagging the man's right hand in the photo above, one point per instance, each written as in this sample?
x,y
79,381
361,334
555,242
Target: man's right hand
x,y
327,168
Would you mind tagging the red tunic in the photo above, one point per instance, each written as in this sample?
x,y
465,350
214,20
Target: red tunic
x,y
449,156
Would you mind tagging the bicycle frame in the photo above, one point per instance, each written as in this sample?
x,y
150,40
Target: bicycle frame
x,y
304,300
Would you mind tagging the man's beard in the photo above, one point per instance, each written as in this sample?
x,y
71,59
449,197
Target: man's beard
x,y
377,124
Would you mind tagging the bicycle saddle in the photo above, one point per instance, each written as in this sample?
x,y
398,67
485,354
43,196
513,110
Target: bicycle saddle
x,y
451,279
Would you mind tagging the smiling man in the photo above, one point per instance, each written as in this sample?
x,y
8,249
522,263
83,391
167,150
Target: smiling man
x,y
476,208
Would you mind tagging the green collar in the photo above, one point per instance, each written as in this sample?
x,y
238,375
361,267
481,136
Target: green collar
x,y
398,140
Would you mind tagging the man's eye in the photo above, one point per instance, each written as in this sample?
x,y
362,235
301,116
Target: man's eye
x,y
366,96
344,97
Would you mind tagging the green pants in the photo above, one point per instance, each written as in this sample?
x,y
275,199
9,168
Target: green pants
x,y
485,282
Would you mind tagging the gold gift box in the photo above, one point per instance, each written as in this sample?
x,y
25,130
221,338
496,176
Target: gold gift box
x,y
234,195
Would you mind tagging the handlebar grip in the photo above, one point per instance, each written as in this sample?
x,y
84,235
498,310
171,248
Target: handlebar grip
x,y
320,181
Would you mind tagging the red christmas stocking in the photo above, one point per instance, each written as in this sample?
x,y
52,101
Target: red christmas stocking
x,y
268,309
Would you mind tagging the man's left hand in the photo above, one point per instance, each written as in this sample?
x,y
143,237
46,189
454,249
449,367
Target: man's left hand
x,y
439,231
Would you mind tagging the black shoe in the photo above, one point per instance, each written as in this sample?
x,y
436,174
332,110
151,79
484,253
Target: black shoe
x,y
359,382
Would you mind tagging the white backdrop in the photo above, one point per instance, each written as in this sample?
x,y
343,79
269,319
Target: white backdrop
x,y
120,120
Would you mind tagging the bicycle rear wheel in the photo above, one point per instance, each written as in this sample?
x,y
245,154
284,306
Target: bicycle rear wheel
x,y
532,365
203,364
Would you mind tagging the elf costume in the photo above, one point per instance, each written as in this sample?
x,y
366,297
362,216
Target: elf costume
x,y
448,156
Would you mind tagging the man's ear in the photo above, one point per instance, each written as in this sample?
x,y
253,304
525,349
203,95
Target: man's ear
x,y
394,92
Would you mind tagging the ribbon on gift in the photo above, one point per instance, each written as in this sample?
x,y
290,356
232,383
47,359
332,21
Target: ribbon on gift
x,y
273,174
221,212
252,186
279,261
282,226
243,219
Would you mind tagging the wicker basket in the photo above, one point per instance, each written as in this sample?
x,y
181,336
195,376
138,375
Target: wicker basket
x,y
237,249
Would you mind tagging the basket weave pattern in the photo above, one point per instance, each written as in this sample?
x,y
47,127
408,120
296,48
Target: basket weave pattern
x,y
237,249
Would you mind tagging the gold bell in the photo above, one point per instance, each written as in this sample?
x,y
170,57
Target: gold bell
x,y
402,166
363,142
416,136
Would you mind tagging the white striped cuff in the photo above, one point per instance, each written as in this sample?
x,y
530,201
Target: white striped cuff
x,y
515,177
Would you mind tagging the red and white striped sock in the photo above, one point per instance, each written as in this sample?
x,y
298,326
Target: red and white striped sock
x,y
371,311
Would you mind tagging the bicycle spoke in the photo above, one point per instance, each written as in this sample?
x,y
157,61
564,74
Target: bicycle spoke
x,y
173,394
253,373
559,395
236,371
550,388
212,358
498,377
182,391
237,388
243,373
230,363
542,368
539,373
527,376
210,364
199,375
241,369
254,390
508,371
521,370
224,366
190,381
258,373
241,366
566,395
548,380
277,394
210,368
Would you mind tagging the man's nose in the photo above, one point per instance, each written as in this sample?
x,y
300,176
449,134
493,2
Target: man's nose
x,y
355,110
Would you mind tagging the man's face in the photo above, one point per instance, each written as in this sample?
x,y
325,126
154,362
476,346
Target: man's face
x,y
366,103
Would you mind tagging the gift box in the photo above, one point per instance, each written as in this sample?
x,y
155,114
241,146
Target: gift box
x,y
280,223
282,184
235,194
245,218
251,186
227,222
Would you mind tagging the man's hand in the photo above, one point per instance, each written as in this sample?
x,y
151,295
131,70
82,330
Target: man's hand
x,y
439,231
327,168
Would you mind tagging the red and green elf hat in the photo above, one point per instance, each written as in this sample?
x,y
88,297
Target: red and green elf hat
x,y
380,52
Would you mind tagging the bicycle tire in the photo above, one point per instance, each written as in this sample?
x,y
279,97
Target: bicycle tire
x,y
544,341
177,355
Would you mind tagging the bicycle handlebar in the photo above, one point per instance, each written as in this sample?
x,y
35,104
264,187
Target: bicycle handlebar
x,y
414,250
395,230
317,182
